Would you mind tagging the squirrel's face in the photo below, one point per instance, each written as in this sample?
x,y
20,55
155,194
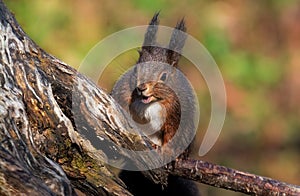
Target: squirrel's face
x,y
152,82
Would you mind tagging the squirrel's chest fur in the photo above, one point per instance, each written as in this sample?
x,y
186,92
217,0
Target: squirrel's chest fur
x,y
156,114
150,118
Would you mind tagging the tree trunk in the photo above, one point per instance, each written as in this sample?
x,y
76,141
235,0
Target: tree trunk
x,y
58,129
43,150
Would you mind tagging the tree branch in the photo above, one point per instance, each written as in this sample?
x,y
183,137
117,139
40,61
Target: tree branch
x,y
227,178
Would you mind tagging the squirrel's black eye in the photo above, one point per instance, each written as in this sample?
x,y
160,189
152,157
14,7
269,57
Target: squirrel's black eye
x,y
163,77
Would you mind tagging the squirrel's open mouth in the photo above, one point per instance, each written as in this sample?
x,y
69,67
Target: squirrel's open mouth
x,y
146,99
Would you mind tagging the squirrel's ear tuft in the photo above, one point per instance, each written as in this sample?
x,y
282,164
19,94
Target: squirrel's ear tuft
x,y
149,45
150,36
154,20
151,51
177,42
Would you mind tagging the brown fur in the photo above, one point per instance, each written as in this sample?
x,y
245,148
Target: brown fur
x,y
165,96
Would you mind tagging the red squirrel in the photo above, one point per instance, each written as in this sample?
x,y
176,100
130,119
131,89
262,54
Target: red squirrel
x,y
161,101
156,93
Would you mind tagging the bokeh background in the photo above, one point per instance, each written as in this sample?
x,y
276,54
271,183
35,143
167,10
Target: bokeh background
x,y
256,45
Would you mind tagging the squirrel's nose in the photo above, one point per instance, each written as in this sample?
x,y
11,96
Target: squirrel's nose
x,y
141,88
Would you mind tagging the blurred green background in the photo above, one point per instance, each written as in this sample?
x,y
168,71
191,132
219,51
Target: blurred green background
x,y
256,45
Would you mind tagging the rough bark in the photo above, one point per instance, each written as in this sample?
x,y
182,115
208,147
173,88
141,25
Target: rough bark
x,y
45,151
